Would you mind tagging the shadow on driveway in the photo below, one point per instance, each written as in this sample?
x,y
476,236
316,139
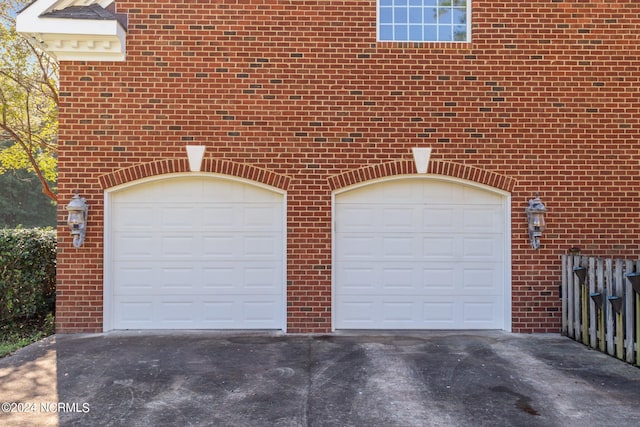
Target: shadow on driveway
x,y
382,379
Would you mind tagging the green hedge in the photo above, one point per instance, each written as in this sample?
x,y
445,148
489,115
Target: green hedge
x,y
27,273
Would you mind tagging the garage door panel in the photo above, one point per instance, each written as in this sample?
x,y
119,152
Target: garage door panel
x,y
218,217
134,278
481,279
399,279
357,278
439,219
399,246
173,247
135,245
358,246
432,313
439,313
439,246
356,218
208,253
261,246
260,216
473,196
260,279
136,217
437,279
178,279
133,313
488,248
219,246
429,254
398,218
254,194
223,312
478,220
175,217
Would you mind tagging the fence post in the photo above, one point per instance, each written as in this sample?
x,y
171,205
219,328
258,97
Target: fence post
x,y
601,315
629,298
609,290
592,311
619,287
570,331
563,294
637,316
577,292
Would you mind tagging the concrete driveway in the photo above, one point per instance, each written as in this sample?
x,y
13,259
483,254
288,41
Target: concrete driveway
x,y
402,379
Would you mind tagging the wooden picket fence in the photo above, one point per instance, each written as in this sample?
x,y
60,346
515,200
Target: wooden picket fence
x,y
599,305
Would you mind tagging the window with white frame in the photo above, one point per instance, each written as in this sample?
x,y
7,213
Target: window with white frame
x,y
424,20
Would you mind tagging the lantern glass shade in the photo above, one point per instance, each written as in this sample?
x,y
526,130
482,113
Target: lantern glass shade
x,y
76,219
536,221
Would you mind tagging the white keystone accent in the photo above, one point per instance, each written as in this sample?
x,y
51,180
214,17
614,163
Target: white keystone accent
x,y
421,158
195,154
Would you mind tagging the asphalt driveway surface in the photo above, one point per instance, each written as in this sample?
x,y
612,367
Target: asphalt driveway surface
x,y
391,379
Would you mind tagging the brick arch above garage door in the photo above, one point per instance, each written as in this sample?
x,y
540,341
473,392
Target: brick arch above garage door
x,y
405,167
218,166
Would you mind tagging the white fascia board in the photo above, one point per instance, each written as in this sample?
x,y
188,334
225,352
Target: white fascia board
x,y
32,13
81,27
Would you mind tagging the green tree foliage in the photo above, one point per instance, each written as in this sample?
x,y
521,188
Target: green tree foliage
x,y
28,103
22,202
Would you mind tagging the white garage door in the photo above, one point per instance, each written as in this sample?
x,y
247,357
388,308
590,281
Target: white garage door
x,y
421,253
198,252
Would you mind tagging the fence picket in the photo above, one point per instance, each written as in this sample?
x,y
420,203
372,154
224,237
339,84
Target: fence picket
x,y
629,298
602,311
592,313
569,297
576,302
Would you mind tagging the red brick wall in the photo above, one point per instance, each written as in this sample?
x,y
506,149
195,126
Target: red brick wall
x,y
545,99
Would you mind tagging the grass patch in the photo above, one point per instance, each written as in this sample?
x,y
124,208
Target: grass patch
x,y
20,333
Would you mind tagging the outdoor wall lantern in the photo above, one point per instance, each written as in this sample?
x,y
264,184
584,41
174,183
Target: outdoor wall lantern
x,y
77,219
535,217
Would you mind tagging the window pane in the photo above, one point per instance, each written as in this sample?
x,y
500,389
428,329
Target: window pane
x,y
386,15
386,32
444,16
401,2
459,16
415,32
430,32
460,33
430,15
415,15
386,2
401,32
401,15
444,33
415,2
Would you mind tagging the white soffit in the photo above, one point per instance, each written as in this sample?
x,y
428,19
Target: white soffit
x,y
70,39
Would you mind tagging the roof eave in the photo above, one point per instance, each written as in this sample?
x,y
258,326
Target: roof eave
x,y
74,39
